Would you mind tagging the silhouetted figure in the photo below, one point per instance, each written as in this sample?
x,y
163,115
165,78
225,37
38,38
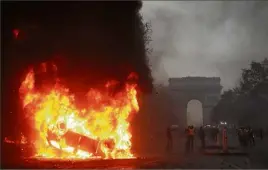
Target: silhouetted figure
x,y
190,132
216,132
239,135
243,136
202,137
251,137
169,139
261,133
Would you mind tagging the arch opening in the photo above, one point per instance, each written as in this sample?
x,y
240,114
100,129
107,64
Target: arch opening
x,y
194,113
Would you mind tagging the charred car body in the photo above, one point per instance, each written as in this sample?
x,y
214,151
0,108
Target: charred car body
x,y
74,144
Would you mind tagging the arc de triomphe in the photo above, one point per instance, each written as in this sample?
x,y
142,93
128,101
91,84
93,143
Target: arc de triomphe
x,y
183,90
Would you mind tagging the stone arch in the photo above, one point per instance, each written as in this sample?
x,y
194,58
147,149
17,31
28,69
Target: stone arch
x,y
205,89
194,114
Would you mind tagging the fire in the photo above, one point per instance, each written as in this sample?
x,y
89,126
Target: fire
x,y
62,130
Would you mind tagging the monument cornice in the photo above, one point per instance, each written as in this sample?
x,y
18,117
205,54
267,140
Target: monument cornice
x,y
195,88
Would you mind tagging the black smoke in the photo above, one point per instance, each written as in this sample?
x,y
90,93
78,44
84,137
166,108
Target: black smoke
x,y
91,42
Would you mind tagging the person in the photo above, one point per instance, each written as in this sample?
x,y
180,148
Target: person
x,y
202,137
251,137
190,132
261,133
243,136
169,139
225,139
246,137
216,134
239,135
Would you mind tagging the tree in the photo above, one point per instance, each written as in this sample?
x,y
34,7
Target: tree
x,y
252,77
245,103
224,109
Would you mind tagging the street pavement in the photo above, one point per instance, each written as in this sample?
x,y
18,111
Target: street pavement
x,y
237,158
255,158
259,154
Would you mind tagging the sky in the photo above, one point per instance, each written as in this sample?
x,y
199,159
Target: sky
x,y
207,38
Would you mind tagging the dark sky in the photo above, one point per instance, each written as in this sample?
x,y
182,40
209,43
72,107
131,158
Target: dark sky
x,y
91,42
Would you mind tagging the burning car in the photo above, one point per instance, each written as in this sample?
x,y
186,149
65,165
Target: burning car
x,y
74,143
77,144
63,130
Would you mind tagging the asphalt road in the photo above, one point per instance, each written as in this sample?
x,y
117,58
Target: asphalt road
x,y
89,164
259,154
237,158
254,158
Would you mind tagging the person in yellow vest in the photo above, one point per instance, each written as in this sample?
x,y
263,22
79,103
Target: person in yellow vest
x,y
190,132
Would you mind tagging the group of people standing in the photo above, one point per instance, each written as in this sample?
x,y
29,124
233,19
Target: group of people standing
x,y
211,132
246,136
190,133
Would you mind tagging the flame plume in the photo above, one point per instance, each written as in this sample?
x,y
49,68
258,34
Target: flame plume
x,y
105,120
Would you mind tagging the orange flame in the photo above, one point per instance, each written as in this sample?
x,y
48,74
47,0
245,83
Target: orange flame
x,y
105,120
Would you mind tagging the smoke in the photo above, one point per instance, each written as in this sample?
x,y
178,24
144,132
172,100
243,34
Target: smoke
x,y
92,42
206,38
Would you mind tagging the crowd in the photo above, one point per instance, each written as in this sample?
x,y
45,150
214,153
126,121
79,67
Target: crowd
x,y
246,136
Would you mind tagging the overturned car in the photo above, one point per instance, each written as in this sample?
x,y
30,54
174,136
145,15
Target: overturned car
x,y
70,144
